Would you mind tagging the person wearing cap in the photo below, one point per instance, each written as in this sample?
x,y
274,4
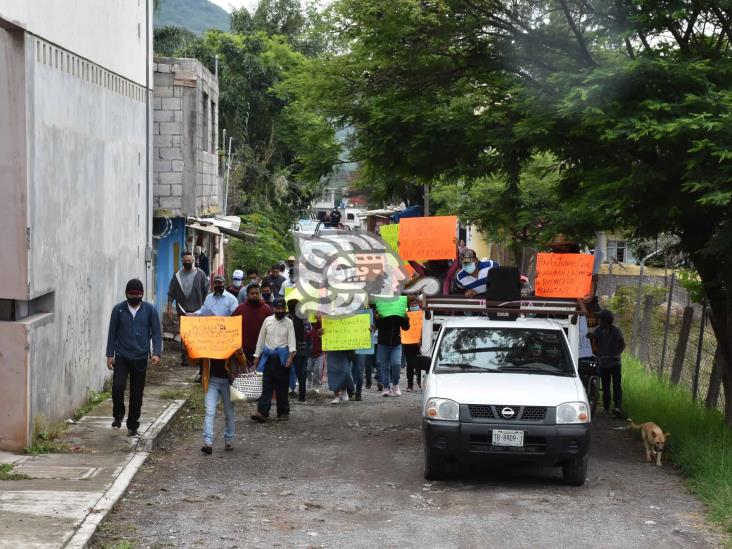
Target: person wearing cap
x,y
188,288
219,302
237,282
275,353
132,325
560,244
609,341
291,282
472,278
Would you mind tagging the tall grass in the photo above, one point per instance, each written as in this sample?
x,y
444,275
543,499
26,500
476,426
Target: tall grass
x,y
700,443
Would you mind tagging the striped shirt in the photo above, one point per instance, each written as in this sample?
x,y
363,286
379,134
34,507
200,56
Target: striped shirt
x,y
478,281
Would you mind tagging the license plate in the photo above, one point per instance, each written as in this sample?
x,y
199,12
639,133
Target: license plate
x,y
508,438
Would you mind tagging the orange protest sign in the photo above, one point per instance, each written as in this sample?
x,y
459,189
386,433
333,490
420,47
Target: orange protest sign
x,y
414,334
211,336
563,275
423,238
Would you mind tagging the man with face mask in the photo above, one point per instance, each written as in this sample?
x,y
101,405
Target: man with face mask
x,y
266,292
188,288
237,283
133,324
275,353
219,302
472,278
254,312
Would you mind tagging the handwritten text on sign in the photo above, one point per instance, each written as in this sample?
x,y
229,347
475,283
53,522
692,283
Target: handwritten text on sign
x,y
423,238
211,336
563,275
414,334
347,333
390,235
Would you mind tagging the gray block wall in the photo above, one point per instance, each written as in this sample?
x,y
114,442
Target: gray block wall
x,y
185,139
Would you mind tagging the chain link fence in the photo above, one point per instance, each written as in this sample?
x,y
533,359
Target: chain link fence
x,y
669,333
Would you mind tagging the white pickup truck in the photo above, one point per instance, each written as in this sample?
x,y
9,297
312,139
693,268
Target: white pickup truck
x,y
503,385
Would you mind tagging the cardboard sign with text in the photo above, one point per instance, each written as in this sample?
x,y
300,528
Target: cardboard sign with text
x,y
347,333
397,307
414,334
563,275
390,235
423,238
211,336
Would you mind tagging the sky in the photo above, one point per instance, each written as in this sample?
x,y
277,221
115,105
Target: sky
x,y
227,4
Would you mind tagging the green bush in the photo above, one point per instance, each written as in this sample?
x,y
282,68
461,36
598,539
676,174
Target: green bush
x,y
700,443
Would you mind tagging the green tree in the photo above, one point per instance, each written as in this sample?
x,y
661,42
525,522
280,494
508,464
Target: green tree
x,y
170,40
632,98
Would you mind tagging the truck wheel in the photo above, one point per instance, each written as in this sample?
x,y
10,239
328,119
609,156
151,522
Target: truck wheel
x,y
434,466
574,471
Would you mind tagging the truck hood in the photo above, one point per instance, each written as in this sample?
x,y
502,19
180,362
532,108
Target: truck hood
x,y
505,388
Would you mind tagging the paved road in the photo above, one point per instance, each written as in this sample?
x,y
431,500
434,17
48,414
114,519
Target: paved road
x,y
351,476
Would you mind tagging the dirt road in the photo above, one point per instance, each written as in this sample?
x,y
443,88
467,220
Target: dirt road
x,y
351,476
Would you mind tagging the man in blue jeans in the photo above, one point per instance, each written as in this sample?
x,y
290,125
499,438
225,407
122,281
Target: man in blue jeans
x,y
133,324
389,349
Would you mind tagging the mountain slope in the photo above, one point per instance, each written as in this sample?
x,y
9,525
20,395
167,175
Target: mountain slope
x,y
194,15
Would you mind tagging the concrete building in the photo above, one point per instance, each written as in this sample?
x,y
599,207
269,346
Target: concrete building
x,y
75,183
188,187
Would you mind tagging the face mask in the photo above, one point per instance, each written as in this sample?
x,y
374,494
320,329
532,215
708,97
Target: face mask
x,y
237,284
279,315
134,301
267,297
218,290
469,268
414,307
187,265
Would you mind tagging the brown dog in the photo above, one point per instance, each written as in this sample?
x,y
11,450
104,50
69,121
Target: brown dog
x,y
654,439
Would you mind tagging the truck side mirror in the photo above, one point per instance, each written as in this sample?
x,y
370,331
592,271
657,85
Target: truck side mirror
x,y
423,362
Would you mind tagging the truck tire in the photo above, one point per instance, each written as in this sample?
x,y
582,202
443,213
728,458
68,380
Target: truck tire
x,y
574,471
434,466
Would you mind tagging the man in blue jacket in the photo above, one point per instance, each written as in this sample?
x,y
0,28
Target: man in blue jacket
x,y
132,325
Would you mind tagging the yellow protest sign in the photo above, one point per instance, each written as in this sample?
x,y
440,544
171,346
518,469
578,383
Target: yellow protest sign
x,y
347,333
390,235
563,275
414,334
211,336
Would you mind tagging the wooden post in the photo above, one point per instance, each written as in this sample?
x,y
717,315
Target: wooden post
x,y
666,325
699,348
680,352
715,380
645,332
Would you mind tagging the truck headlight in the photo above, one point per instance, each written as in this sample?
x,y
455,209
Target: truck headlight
x,y
442,408
573,412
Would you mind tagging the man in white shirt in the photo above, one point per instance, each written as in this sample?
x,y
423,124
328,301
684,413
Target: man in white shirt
x,y
273,356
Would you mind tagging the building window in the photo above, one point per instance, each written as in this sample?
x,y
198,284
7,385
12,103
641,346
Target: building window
x,y
616,250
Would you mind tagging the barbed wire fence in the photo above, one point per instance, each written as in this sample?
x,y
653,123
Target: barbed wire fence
x,y
668,333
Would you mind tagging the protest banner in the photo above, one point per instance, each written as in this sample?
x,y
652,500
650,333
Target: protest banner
x,y
371,350
397,307
211,336
390,235
347,333
563,275
414,334
423,238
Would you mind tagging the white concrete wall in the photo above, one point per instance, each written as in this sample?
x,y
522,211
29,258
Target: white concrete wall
x,y
110,33
86,145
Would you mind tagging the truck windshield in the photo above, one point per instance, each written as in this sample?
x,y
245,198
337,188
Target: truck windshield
x,y
504,350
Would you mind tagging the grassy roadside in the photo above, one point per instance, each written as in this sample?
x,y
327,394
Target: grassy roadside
x,y
700,444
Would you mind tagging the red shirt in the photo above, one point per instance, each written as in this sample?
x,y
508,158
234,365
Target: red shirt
x,y
253,318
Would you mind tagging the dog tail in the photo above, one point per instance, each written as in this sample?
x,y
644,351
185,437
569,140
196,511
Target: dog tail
x,y
632,425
